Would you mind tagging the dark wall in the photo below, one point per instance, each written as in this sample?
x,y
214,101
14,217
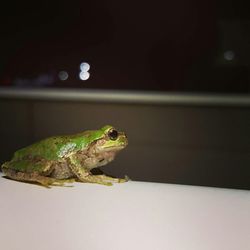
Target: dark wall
x,y
195,145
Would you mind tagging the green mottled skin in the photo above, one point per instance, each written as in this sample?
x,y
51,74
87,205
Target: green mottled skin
x,y
57,147
80,152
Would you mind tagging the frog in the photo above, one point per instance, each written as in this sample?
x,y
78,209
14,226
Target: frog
x,y
59,160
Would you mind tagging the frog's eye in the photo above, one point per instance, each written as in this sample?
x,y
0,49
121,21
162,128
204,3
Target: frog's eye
x,y
113,134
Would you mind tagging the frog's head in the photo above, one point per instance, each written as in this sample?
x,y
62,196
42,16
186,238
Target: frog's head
x,y
110,139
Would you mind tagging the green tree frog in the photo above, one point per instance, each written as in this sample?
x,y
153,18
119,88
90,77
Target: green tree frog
x,y
61,159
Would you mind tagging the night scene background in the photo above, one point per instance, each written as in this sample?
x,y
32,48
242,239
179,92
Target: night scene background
x,y
173,46
177,49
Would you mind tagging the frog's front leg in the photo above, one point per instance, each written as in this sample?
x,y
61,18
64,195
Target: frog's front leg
x,y
85,175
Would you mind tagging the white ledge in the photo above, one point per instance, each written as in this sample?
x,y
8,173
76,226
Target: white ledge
x,y
132,215
145,97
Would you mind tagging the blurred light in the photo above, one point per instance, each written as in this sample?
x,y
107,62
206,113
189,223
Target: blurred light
x,y
43,79
63,75
84,75
84,66
229,55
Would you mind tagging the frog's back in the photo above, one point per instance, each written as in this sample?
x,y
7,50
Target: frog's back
x,y
46,149
52,148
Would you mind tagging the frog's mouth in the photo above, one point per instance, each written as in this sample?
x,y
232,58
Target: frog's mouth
x,y
113,147
107,144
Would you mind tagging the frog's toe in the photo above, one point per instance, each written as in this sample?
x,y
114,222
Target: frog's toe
x,y
122,180
62,183
108,183
126,178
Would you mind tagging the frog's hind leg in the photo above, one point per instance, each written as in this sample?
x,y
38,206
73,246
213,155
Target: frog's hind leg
x,y
35,177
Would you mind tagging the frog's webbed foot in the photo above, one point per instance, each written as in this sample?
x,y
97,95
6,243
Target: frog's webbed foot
x,y
112,179
102,179
61,183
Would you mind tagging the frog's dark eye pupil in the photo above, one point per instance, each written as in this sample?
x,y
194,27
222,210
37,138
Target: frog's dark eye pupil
x,y
113,134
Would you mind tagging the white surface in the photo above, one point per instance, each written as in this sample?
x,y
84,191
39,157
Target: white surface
x,y
134,215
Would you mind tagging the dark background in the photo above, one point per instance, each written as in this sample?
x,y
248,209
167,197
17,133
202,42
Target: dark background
x,y
193,47
159,45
